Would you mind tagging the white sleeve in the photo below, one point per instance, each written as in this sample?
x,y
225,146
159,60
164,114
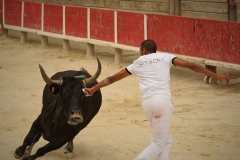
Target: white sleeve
x,y
129,69
171,58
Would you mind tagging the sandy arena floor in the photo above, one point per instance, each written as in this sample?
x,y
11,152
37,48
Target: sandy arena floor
x,y
205,122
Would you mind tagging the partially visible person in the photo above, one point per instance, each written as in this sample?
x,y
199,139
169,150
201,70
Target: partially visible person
x,y
153,72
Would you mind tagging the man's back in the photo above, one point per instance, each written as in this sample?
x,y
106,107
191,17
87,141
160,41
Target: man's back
x,y
153,73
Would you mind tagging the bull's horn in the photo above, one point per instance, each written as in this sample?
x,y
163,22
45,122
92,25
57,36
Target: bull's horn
x,y
46,78
95,76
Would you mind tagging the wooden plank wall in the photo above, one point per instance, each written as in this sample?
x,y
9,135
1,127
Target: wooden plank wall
x,y
161,6
208,9
238,11
157,6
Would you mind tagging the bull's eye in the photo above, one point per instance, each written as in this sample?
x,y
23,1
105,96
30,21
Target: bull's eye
x,y
64,94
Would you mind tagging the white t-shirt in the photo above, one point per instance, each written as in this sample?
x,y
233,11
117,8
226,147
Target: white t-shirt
x,y
153,73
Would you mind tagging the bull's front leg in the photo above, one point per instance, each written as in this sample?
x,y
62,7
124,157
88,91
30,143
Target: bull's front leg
x,y
43,150
69,149
31,138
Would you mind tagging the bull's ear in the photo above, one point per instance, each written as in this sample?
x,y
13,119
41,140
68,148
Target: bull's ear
x,y
54,88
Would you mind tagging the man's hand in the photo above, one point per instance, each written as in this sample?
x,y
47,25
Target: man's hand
x,y
221,77
88,91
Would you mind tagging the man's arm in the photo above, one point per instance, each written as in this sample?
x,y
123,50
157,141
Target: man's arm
x,y
107,81
197,68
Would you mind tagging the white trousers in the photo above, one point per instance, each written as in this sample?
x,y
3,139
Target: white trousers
x,y
158,111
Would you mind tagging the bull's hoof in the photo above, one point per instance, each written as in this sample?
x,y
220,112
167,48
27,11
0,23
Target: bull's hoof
x,y
27,158
68,154
27,152
19,152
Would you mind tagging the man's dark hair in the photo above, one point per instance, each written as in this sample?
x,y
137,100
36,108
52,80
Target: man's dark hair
x,y
149,45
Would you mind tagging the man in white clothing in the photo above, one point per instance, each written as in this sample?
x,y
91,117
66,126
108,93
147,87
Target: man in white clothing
x,y
153,72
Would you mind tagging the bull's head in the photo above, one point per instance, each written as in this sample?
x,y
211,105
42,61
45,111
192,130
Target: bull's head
x,y
70,90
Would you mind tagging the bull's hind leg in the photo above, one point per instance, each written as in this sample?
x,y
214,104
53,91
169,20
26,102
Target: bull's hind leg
x,y
68,150
31,138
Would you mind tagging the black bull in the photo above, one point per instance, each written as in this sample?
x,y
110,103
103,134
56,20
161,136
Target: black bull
x,y
65,112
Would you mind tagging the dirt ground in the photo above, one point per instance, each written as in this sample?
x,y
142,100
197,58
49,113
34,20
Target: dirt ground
x,y
205,122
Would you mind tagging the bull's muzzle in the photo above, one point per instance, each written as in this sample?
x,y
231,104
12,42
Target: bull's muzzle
x,y
75,117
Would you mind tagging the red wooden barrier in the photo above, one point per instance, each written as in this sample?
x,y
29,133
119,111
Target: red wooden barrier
x,y
217,40
172,34
214,40
53,18
208,39
1,7
102,24
76,21
130,28
13,12
32,15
